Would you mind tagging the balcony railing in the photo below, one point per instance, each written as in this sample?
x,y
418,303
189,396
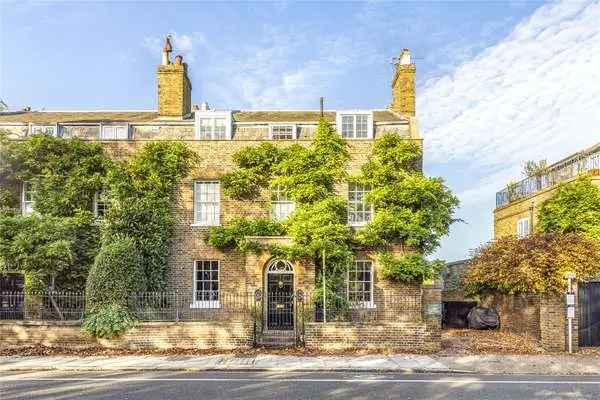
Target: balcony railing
x,y
555,175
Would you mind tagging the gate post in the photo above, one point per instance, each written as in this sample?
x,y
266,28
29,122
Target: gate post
x,y
300,318
257,314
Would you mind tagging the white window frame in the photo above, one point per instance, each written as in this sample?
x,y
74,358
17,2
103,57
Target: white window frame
x,y
353,114
523,227
292,126
206,303
216,221
53,127
213,115
278,201
359,303
24,209
105,201
115,127
365,190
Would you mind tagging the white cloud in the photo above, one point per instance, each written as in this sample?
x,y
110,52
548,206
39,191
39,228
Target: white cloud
x,y
517,99
533,95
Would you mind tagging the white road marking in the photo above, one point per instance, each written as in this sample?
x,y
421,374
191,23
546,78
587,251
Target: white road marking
x,y
306,380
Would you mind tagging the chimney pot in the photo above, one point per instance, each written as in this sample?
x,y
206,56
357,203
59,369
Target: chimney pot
x,y
167,49
405,57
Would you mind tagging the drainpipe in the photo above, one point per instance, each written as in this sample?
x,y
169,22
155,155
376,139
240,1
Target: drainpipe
x,y
531,216
324,292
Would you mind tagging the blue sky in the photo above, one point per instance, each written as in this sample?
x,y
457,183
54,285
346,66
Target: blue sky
x,y
498,82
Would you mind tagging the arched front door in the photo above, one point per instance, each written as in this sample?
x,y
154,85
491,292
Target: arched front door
x,y
280,295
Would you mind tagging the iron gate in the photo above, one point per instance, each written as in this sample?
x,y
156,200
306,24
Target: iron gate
x,y
11,296
589,313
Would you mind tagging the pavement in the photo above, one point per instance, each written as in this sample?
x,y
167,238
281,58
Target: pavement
x,y
559,364
233,385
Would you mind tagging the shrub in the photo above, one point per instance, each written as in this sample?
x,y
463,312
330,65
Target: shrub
x,y
109,321
410,268
535,264
117,272
234,235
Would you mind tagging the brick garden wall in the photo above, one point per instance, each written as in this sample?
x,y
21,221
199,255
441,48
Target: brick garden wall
x,y
543,317
151,335
412,336
518,313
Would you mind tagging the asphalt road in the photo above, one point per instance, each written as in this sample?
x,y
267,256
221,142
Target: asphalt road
x,y
270,385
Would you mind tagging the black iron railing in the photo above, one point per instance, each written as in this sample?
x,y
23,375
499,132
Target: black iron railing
x,y
555,175
147,306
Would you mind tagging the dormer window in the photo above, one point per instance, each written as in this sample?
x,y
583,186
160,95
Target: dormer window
x,y
43,130
283,132
213,125
114,132
355,124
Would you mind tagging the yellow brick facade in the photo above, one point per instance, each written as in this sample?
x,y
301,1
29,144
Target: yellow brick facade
x,y
507,217
241,274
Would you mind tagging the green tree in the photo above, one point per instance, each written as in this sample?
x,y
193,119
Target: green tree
x,y
143,191
575,207
535,169
58,243
410,208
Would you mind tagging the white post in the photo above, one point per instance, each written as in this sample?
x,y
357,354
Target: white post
x,y
570,309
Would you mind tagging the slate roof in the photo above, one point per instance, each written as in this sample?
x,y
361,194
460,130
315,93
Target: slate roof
x,y
51,117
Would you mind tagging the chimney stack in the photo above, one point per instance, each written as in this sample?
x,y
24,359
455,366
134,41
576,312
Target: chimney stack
x,y
174,87
403,85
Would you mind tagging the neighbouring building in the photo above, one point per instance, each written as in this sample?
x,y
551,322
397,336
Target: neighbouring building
x,y
517,205
212,278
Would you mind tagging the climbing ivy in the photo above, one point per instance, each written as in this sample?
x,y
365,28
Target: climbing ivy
x,y
137,232
58,242
236,234
574,208
409,208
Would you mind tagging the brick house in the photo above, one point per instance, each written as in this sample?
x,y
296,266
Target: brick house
x,y
517,205
210,276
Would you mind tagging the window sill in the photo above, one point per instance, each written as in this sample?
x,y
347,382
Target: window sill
x,y
208,304
359,225
362,305
203,225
